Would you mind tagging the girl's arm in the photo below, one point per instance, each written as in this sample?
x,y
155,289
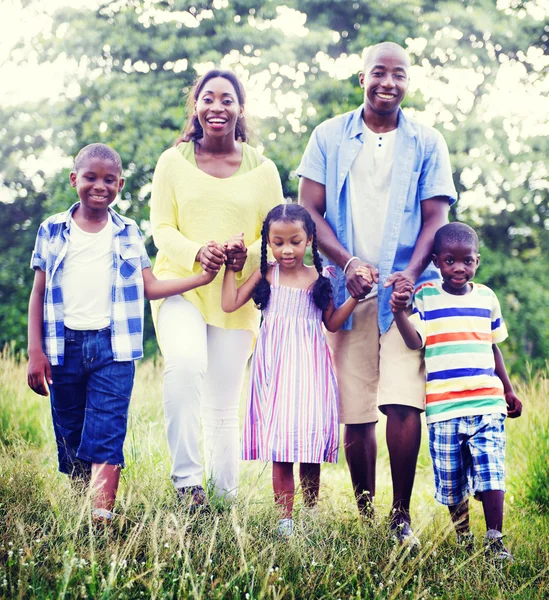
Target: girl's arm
x,y
232,297
163,288
514,405
39,366
333,318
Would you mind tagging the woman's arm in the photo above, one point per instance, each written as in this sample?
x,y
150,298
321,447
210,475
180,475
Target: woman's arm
x,y
234,297
39,366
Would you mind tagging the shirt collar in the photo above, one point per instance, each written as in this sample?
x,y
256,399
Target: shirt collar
x,y
356,124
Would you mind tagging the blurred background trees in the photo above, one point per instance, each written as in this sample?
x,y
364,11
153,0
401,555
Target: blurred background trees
x,y
480,75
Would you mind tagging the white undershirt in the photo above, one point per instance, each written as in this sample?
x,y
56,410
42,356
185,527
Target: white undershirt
x,y
87,278
370,186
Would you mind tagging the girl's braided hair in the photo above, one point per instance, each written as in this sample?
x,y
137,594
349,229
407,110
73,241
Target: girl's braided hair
x,y
291,213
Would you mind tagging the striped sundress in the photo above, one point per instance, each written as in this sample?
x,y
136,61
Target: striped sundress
x,y
291,413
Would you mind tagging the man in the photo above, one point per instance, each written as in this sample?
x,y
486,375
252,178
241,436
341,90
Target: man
x,y
378,186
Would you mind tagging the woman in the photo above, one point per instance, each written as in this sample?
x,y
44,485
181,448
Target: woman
x,y
209,187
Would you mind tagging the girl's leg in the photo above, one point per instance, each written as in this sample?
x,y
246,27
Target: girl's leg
x,y
104,482
309,475
228,353
284,487
182,338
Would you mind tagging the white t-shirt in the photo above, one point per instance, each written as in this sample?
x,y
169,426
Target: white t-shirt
x,y
87,278
370,186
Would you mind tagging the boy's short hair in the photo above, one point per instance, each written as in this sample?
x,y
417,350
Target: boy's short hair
x,y
455,232
97,150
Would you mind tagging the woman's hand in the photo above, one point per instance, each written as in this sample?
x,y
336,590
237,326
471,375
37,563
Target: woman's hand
x,y
236,252
211,257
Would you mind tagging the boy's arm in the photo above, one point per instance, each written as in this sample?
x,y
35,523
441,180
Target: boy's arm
x,y
514,405
159,288
232,297
407,331
39,366
333,318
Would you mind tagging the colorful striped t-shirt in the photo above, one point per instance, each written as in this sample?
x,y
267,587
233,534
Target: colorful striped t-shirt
x,y
457,333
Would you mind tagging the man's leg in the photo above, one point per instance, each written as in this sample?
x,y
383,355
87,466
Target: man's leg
x,y
403,441
356,359
361,453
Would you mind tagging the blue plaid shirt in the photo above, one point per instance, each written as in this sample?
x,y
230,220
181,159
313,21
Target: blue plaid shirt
x,y
129,258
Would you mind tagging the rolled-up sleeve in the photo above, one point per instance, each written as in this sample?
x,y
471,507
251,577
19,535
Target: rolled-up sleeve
x,y
313,162
436,173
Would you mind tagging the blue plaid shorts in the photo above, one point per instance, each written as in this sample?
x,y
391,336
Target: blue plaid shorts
x,y
468,456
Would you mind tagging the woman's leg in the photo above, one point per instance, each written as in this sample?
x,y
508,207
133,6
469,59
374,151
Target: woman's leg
x,y
182,338
309,475
284,488
228,353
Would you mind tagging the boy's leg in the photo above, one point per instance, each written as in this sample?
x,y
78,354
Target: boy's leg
x,y
309,476
182,338
68,408
284,487
460,517
228,354
492,504
109,390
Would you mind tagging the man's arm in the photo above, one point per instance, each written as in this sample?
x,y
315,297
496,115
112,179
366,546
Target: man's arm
x,y
434,214
312,196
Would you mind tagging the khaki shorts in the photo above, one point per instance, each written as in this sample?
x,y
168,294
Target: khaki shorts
x,y
374,371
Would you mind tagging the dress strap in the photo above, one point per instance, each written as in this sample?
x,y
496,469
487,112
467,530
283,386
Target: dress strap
x,y
275,274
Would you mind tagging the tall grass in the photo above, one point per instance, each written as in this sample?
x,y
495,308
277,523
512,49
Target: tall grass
x,y
48,548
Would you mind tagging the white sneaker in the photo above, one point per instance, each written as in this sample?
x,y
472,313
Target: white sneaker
x,y
285,528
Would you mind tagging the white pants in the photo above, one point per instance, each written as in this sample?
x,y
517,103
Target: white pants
x,y
204,368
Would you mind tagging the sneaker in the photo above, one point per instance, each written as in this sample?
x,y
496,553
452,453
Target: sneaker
x,y
466,541
285,528
194,498
404,535
494,547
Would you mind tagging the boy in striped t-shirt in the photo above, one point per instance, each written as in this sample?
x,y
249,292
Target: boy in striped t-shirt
x,y
468,391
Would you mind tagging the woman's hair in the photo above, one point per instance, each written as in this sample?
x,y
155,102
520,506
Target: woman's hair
x,y
193,130
291,213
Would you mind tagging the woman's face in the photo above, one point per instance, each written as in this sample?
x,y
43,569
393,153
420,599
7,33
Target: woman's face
x,y
217,107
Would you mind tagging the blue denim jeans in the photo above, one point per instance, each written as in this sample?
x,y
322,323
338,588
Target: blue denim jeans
x,y
90,396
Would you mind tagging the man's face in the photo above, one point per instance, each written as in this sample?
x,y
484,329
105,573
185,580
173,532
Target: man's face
x,y
385,80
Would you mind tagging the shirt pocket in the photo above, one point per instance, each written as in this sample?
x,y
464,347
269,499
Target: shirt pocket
x,y
130,261
412,193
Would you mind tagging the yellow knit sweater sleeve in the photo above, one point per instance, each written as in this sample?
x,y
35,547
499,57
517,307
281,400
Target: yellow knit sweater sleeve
x,y
190,207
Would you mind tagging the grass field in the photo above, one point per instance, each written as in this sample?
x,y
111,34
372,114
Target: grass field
x,y
48,548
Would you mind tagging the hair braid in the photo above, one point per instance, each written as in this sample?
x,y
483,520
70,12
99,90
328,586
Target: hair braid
x,y
322,290
262,291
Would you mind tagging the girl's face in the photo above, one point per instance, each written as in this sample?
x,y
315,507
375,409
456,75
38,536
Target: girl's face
x,y
288,241
217,107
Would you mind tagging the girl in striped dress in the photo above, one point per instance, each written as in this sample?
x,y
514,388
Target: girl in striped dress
x,y
291,414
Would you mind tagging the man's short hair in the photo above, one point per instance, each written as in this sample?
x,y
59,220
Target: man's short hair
x,y
455,232
369,52
97,150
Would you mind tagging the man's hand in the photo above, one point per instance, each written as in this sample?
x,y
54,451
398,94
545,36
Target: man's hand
x,y
39,372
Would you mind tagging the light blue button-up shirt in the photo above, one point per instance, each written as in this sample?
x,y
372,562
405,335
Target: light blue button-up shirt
x,y
421,170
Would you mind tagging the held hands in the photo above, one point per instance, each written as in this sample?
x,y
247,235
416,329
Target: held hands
x,y
403,290
514,405
360,278
39,372
236,252
211,257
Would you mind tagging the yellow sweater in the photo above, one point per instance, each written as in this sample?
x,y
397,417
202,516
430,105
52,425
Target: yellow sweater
x,y
189,208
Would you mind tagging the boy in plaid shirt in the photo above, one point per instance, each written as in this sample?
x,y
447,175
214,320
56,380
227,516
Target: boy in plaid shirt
x,y
86,310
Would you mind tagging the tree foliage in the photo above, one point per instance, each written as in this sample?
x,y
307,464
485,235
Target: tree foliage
x,y
136,59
